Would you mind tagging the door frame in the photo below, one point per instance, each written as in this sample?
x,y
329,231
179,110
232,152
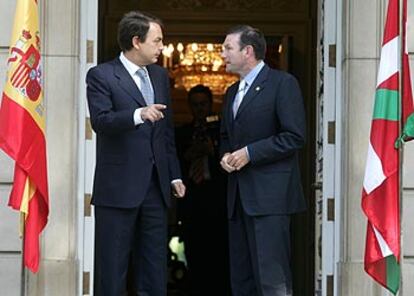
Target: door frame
x,y
89,27
332,246
88,11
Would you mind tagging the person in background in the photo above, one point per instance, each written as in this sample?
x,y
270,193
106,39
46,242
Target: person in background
x,y
203,211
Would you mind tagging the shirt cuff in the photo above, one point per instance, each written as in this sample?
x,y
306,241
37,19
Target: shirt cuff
x,y
137,116
247,152
176,181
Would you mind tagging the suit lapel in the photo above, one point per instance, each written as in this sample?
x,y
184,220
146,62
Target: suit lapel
x,y
156,84
254,89
127,83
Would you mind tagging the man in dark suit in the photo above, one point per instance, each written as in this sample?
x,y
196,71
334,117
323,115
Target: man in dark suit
x,y
262,130
136,162
203,211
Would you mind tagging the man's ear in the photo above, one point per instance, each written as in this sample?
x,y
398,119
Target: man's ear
x,y
136,42
249,50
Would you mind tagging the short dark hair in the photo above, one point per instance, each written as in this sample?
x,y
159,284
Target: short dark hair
x,y
134,23
200,89
251,36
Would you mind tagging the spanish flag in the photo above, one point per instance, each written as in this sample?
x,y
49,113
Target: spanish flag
x,y
22,129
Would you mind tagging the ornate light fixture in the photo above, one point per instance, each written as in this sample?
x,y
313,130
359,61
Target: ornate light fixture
x,y
199,63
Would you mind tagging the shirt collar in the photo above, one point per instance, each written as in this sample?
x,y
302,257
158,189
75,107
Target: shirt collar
x,y
251,76
130,66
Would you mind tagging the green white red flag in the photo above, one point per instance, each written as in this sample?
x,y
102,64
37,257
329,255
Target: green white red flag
x,y
380,194
22,129
381,189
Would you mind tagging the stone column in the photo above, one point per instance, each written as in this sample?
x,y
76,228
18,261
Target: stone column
x,y
60,30
59,26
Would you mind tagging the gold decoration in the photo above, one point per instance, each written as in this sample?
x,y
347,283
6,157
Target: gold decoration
x,y
199,63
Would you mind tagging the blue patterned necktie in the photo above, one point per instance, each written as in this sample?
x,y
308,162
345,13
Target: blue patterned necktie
x,y
146,88
239,97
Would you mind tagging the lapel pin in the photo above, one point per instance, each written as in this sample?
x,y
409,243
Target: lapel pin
x,y
257,88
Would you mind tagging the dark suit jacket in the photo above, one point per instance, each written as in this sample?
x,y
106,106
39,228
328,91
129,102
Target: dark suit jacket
x,y
126,154
271,123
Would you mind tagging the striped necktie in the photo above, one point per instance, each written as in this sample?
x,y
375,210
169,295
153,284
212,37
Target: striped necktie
x,y
146,88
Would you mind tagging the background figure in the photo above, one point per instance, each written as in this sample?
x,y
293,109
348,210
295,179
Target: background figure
x,y
136,162
203,211
262,130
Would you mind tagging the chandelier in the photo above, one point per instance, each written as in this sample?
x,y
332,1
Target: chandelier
x,y
199,63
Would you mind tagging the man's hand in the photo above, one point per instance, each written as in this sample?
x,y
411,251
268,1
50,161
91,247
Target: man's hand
x,y
224,163
153,112
238,159
178,188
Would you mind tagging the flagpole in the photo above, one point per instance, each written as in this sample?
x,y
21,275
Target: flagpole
x,y
23,268
401,211
401,150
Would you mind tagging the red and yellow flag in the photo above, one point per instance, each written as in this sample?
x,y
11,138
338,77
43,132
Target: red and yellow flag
x,y
22,128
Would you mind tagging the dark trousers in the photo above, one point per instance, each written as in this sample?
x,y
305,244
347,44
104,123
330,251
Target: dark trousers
x,y
138,233
259,254
205,238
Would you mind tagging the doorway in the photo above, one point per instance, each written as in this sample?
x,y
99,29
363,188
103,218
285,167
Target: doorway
x,y
207,21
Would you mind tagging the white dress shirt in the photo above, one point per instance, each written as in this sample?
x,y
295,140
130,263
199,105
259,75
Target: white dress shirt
x,y
132,70
248,81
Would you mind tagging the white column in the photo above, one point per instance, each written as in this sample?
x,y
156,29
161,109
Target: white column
x,y
363,20
59,25
364,25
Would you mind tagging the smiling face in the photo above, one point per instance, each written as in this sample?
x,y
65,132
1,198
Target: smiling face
x,y
149,50
233,55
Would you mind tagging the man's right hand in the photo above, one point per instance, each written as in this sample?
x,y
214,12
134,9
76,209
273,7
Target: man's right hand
x,y
153,112
224,164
